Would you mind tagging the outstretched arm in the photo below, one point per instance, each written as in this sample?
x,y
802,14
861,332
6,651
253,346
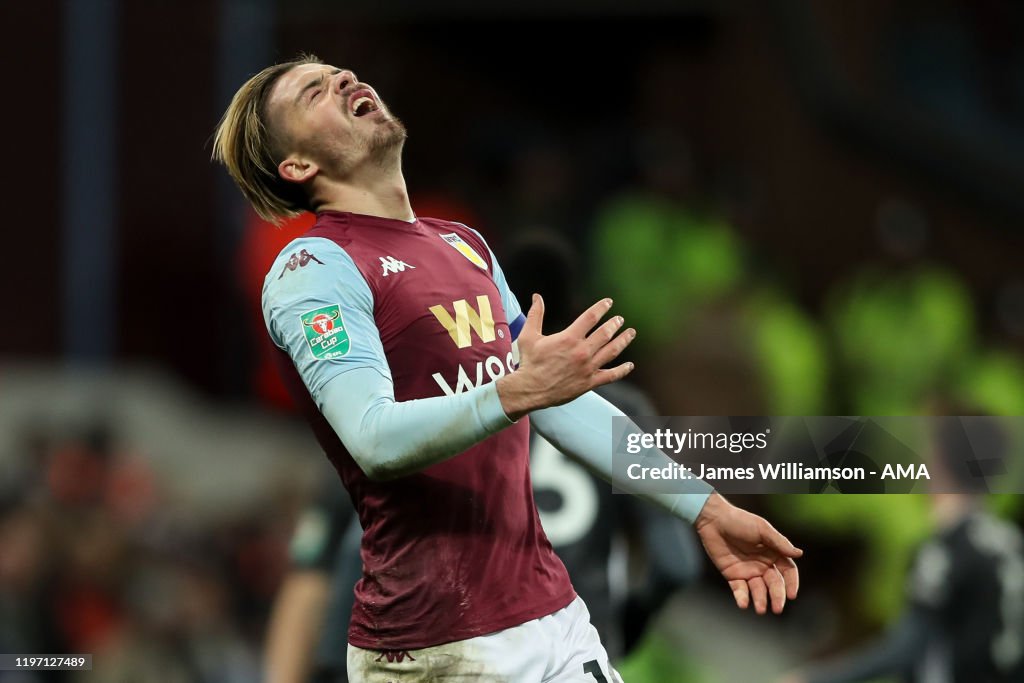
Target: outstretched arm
x,y
756,560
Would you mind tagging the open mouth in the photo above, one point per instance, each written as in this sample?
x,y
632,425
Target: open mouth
x,y
362,103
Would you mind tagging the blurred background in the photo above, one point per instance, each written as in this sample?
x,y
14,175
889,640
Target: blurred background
x,y
806,208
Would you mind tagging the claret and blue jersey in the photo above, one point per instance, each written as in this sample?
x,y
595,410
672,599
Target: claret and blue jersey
x,y
456,550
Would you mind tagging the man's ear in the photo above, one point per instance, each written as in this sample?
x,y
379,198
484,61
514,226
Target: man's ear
x,y
296,170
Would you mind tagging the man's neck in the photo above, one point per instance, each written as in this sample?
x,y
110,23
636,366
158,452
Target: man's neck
x,y
385,196
949,508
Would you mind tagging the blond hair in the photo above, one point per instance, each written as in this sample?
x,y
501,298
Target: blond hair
x,y
249,150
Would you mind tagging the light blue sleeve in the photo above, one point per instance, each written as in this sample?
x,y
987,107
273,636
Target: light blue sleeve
x,y
582,429
513,311
319,309
390,439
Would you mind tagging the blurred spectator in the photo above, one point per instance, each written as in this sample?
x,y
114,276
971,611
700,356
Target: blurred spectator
x,y
899,335
661,249
964,622
26,575
91,564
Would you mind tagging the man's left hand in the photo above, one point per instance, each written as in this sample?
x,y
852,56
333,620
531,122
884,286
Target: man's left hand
x,y
754,558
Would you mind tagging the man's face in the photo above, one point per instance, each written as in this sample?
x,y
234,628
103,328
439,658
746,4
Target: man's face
x,y
326,116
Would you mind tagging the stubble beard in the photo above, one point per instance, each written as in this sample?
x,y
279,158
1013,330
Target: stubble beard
x,y
385,145
381,149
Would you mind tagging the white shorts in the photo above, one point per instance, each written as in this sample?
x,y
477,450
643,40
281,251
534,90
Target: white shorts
x,y
558,648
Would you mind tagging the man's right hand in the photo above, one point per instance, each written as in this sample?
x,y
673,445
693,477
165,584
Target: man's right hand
x,y
554,369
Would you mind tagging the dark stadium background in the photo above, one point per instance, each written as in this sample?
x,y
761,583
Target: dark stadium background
x,y
806,208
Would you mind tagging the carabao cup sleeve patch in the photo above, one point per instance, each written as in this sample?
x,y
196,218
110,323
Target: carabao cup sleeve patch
x,y
325,332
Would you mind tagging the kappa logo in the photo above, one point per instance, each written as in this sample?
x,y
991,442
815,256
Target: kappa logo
x,y
393,265
298,260
479,320
394,656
